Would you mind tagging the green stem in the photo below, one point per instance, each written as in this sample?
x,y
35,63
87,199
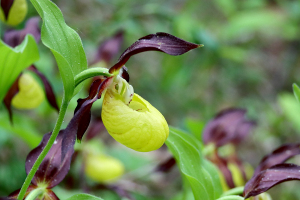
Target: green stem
x,y
231,197
35,193
234,191
91,72
48,146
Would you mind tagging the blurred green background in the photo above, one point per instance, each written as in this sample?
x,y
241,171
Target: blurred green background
x,y
250,59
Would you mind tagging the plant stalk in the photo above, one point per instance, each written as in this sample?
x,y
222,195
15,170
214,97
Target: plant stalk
x,y
89,73
51,140
234,191
35,193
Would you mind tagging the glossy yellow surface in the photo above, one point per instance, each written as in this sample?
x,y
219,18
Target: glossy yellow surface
x,y
16,14
103,169
30,94
138,125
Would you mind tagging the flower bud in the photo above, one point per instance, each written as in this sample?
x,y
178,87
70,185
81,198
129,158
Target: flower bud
x,y
137,125
103,169
30,94
14,11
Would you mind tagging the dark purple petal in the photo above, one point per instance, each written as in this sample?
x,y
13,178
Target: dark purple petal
x,y
6,5
121,192
55,166
94,129
278,156
4,198
270,177
83,125
14,195
222,165
50,195
125,74
82,114
14,89
240,165
227,126
166,166
163,42
242,131
48,88
109,48
15,37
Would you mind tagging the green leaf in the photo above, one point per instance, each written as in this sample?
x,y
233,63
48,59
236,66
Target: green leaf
x,y
290,108
201,174
194,126
296,92
64,43
231,197
14,60
83,197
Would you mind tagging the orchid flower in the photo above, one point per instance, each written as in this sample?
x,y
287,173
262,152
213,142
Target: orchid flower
x,y
128,118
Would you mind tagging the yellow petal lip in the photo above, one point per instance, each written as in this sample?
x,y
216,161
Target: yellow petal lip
x,y
138,125
30,94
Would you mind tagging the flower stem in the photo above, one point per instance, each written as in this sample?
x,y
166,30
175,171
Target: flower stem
x,y
233,191
91,72
35,193
51,140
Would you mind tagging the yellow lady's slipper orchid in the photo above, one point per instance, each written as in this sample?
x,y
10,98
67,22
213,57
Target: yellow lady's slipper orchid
x,y
131,120
17,13
102,168
30,94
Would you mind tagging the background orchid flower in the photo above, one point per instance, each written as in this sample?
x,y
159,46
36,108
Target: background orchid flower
x,y
129,118
13,12
25,92
228,128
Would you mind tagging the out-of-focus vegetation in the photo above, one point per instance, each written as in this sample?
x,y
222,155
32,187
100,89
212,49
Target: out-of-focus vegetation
x,y
250,59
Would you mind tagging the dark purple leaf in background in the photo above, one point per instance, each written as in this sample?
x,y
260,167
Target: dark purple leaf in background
x,y
55,166
163,42
14,195
270,177
15,37
229,125
278,156
48,88
166,166
109,48
6,5
14,89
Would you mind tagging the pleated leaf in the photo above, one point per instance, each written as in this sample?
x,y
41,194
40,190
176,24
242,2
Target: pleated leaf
x,y
200,173
14,60
64,43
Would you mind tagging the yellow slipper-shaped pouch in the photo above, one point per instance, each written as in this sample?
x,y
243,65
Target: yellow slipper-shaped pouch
x,y
16,14
30,94
102,168
138,125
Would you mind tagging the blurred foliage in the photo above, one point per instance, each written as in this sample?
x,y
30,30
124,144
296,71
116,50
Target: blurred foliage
x,y
250,59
